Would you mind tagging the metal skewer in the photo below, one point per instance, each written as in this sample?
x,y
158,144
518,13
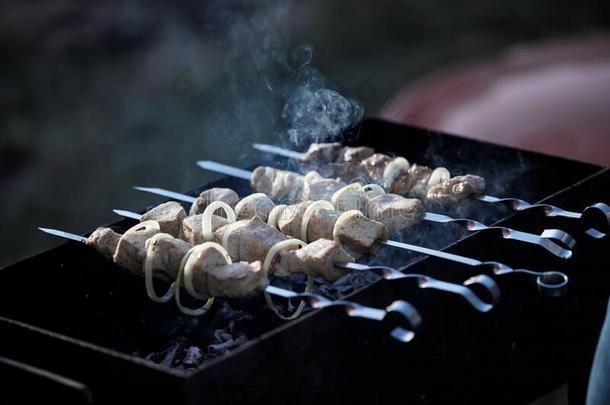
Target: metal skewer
x,y
555,241
596,216
423,281
317,301
551,283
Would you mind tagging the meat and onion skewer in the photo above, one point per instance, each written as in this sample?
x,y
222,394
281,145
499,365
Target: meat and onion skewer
x,y
549,282
394,211
435,185
208,276
330,261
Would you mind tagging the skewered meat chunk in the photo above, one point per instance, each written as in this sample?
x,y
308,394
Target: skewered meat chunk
x,y
375,165
395,211
278,184
319,258
236,280
192,231
225,195
414,182
251,240
419,176
321,224
349,165
358,233
104,240
395,174
320,188
455,189
255,205
321,153
284,185
130,251
317,187
289,221
355,154
214,277
248,240
169,215
168,253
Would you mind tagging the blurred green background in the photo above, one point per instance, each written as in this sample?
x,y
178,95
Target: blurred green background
x,y
99,96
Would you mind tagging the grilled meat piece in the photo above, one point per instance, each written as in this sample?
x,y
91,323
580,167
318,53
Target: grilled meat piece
x,y
358,233
355,154
225,195
130,251
375,164
289,221
104,240
395,212
248,240
315,259
192,231
236,280
414,182
278,184
213,277
321,153
168,253
169,215
455,189
317,187
255,205
321,224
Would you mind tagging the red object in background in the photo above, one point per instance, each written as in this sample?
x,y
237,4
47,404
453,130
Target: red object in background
x,y
552,97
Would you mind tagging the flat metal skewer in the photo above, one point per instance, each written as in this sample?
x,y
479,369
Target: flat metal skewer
x,y
597,216
549,282
555,241
317,301
424,281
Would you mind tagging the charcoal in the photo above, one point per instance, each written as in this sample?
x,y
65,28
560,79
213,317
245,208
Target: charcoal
x,y
193,356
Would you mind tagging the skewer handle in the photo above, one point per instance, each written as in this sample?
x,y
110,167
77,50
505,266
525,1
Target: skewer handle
x,y
403,308
596,216
555,241
424,281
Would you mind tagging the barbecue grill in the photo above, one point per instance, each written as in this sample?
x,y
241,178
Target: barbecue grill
x,y
75,327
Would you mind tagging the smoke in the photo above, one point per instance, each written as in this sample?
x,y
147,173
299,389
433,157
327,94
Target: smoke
x,y
314,111
271,88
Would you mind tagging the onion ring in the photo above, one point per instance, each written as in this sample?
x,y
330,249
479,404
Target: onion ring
x,y
149,271
275,214
188,270
349,191
373,190
266,267
342,218
321,204
395,168
188,311
439,175
206,218
240,205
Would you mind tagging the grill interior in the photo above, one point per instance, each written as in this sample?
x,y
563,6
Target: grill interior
x,y
69,311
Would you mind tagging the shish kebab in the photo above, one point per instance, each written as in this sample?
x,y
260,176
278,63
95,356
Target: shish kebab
x,y
207,271
433,185
393,210
252,239
550,282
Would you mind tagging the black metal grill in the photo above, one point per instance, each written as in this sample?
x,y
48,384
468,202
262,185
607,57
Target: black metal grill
x,y
68,312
